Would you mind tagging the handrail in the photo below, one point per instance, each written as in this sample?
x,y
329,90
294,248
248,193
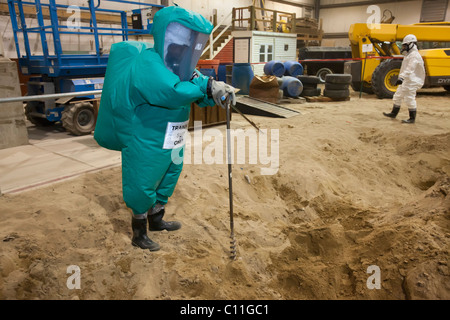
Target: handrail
x,y
211,49
50,96
252,20
210,46
265,9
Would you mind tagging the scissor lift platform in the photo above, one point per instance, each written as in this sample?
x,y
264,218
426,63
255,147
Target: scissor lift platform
x,y
53,68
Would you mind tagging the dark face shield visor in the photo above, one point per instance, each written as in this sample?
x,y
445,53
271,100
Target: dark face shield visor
x,y
406,47
182,49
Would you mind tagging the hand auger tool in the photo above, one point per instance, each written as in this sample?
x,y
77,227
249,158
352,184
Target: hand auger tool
x,y
248,120
230,180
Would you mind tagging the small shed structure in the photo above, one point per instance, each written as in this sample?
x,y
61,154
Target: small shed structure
x,y
259,47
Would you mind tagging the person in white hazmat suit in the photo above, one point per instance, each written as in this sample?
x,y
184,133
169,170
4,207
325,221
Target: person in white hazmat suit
x,y
410,79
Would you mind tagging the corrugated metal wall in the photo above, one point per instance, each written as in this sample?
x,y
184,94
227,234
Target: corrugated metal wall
x,y
405,12
328,2
433,10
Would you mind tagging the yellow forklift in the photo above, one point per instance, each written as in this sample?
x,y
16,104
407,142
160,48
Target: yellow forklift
x,y
379,58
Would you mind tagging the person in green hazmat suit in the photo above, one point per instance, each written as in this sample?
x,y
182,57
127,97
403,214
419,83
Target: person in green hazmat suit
x,y
144,112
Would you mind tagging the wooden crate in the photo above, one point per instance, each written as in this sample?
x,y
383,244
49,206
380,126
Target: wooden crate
x,y
308,30
209,116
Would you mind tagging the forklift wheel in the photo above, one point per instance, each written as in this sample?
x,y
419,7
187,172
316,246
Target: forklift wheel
x,y
366,87
79,118
384,78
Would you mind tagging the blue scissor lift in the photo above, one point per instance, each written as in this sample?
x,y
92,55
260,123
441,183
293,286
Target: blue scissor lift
x,y
58,71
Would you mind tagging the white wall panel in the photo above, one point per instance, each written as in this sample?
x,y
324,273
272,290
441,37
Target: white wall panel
x,y
406,12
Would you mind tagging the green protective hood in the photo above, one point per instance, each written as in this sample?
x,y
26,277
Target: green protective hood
x,y
183,16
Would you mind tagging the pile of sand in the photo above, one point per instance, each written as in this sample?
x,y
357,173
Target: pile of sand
x,y
354,189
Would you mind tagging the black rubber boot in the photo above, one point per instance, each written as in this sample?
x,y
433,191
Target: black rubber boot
x,y
156,222
412,117
140,238
393,113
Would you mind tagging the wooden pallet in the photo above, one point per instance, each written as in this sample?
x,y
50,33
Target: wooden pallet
x,y
324,99
292,100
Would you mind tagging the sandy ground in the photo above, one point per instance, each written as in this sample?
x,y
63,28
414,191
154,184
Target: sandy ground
x,y
354,189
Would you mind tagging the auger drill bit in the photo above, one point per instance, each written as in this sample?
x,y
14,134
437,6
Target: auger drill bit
x,y
230,182
232,247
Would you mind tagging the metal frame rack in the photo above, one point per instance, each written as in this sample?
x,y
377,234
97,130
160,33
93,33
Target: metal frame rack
x,y
60,63
56,71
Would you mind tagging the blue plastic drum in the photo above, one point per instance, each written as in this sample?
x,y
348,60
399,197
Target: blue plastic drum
x,y
292,87
209,73
222,73
274,68
293,68
241,77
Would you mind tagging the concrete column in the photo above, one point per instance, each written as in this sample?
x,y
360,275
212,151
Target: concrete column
x,y
2,51
13,131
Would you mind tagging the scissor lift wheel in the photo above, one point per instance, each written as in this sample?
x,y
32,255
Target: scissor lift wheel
x,y
79,118
36,118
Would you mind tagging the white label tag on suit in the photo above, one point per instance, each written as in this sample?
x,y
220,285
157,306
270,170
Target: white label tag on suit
x,y
175,135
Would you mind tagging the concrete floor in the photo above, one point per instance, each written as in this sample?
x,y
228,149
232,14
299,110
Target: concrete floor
x,y
52,155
